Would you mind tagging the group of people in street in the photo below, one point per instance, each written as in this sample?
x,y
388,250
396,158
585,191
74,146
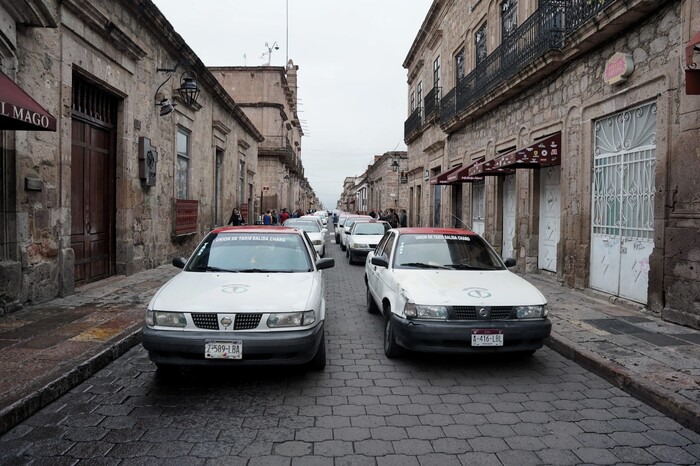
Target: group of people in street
x,y
390,216
269,217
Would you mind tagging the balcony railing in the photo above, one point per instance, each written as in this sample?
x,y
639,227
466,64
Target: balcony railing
x,y
413,122
432,103
578,12
540,33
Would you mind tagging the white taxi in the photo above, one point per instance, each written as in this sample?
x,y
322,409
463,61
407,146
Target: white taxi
x,y
364,237
446,290
248,295
317,235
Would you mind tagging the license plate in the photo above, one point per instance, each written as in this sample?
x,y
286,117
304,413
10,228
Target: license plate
x,y
223,349
487,337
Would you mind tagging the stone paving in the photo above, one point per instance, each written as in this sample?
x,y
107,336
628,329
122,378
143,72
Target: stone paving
x,y
362,409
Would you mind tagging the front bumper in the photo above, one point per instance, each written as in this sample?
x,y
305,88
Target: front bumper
x,y
269,348
455,336
356,253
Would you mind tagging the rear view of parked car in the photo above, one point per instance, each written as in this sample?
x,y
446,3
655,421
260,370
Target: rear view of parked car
x,y
446,290
246,296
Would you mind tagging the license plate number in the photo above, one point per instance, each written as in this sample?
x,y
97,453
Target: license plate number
x,y
223,349
487,338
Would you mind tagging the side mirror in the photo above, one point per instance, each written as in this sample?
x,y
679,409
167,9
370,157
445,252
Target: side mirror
x,y
380,261
510,262
324,230
325,263
179,262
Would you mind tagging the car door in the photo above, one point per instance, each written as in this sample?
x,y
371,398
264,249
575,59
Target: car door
x,y
371,269
383,275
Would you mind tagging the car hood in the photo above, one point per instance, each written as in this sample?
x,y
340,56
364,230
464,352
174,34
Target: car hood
x,y
368,239
467,288
237,292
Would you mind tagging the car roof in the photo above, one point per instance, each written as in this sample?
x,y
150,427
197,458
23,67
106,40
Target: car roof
x,y
256,229
434,231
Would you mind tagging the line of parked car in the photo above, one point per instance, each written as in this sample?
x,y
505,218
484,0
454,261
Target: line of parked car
x,y
437,289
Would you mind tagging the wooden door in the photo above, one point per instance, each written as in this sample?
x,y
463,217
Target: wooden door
x,y
91,212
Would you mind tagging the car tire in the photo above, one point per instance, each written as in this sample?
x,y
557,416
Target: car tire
x,y
371,305
318,362
166,370
391,348
347,252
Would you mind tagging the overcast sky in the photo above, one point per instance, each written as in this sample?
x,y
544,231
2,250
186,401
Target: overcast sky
x,y
352,87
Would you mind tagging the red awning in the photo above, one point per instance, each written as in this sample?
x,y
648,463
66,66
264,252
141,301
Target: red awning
x,y
462,175
442,177
543,153
692,73
19,111
486,168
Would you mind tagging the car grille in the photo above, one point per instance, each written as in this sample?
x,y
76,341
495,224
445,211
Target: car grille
x,y
206,321
246,321
211,321
472,312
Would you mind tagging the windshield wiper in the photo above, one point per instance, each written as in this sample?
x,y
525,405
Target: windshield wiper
x,y
260,271
422,265
208,268
468,267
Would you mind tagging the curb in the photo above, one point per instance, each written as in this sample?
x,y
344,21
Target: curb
x,y
20,410
680,410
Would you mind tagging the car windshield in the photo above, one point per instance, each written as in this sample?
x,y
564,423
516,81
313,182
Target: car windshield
x,y
309,227
251,252
445,251
369,228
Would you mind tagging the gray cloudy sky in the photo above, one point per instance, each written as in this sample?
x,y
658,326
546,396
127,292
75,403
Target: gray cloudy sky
x,y
352,87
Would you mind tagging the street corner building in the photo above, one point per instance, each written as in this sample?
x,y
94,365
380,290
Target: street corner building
x,y
565,132
120,149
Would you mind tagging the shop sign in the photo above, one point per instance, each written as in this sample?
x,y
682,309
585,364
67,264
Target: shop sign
x,y
618,68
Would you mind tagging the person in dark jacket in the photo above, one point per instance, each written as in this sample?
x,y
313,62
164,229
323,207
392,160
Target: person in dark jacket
x,y
235,218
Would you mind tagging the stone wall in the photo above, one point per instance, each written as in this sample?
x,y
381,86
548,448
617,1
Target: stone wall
x,y
122,61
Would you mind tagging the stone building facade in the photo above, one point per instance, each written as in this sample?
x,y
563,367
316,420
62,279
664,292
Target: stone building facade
x,y
561,130
268,95
127,180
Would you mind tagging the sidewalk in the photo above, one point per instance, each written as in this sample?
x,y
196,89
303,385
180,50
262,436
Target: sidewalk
x,y
49,348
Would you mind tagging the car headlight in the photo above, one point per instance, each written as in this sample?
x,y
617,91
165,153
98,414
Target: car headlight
x,y
425,312
166,319
317,242
531,312
359,246
291,319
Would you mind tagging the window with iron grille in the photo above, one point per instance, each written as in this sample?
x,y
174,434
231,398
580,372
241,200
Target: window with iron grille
x,y
459,66
480,44
419,92
436,72
509,18
182,168
413,101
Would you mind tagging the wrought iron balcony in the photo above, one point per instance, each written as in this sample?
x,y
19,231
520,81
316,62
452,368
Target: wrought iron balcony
x,y
578,12
413,123
542,32
432,103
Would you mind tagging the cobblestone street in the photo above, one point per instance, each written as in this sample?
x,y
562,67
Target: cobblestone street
x,y
362,409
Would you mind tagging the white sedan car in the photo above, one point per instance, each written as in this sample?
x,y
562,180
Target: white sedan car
x,y
364,237
316,234
249,295
346,228
446,290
